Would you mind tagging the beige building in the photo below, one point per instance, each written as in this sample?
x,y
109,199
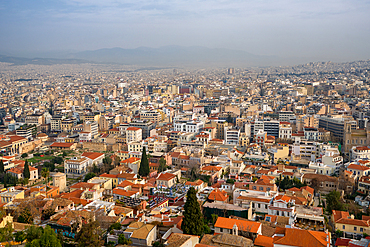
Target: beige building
x,y
11,194
134,134
60,180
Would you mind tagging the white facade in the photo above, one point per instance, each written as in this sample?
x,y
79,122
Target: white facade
x,y
190,127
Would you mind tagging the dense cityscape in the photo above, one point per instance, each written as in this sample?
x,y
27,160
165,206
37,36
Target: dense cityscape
x,y
115,155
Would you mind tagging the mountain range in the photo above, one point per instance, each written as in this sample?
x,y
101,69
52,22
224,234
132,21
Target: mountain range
x,y
163,56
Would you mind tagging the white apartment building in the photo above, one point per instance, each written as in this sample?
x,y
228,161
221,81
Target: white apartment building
x,y
360,153
285,130
231,136
76,166
189,126
134,134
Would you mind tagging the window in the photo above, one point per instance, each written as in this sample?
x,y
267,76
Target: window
x,y
221,229
361,229
355,228
344,227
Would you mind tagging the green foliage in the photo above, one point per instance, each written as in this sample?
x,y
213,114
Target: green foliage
x,y
26,171
47,213
193,219
20,236
6,233
24,155
254,179
48,238
1,167
45,173
107,160
214,218
95,169
230,181
89,176
115,226
339,233
144,169
57,160
206,229
25,217
33,233
162,165
89,235
333,201
287,183
123,240
158,244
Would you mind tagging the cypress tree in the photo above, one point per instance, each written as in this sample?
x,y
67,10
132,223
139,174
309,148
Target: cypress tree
x,y
192,223
26,170
144,164
1,166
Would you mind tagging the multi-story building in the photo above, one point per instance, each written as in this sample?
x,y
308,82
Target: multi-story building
x,y
231,136
76,166
311,134
153,116
285,130
146,127
336,125
67,124
36,119
188,126
360,153
56,123
27,131
92,127
283,205
134,134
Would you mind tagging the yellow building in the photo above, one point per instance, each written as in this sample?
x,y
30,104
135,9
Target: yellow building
x,y
11,194
349,225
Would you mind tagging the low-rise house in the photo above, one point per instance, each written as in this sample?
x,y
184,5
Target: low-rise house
x,y
283,205
358,170
325,184
76,166
246,228
218,196
10,194
351,227
93,158
141,234
166,180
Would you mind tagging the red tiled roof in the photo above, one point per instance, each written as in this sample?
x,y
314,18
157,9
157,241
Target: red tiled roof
x,y
166,176
217,195
228,223
92,155
61,144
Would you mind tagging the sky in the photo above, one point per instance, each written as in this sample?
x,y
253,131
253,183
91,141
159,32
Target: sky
x,y
322,29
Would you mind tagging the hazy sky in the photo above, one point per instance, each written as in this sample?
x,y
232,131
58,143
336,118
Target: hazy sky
x,y
327,29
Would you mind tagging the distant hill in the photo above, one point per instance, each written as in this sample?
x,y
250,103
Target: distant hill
x,y
167,56
39,61
176,56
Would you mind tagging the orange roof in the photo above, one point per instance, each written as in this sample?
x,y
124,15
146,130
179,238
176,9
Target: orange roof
x,y
61,144
106,175
125,183
82,185
358,167
362,148
263,241
308,189
217,195
122,192
133,128
339,215
92,155
211,168
130,160
299,237
283,198
246,225
166,176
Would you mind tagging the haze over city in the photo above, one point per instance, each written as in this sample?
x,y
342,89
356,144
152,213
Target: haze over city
x,y
297,30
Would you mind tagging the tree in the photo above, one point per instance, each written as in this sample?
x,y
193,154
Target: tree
x,y
192,222
45,174
26,170
123,240
162,165
6,233
89,235
24,155
1,167
117,161
229,118
333,201
115,226
25,216
33,233
144,164
20,236
89,176
48,238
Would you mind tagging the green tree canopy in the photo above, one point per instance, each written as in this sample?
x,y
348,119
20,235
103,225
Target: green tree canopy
x,y
162,165
26,170
144,164
48,238
1,167
89,176
192,222
333,201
